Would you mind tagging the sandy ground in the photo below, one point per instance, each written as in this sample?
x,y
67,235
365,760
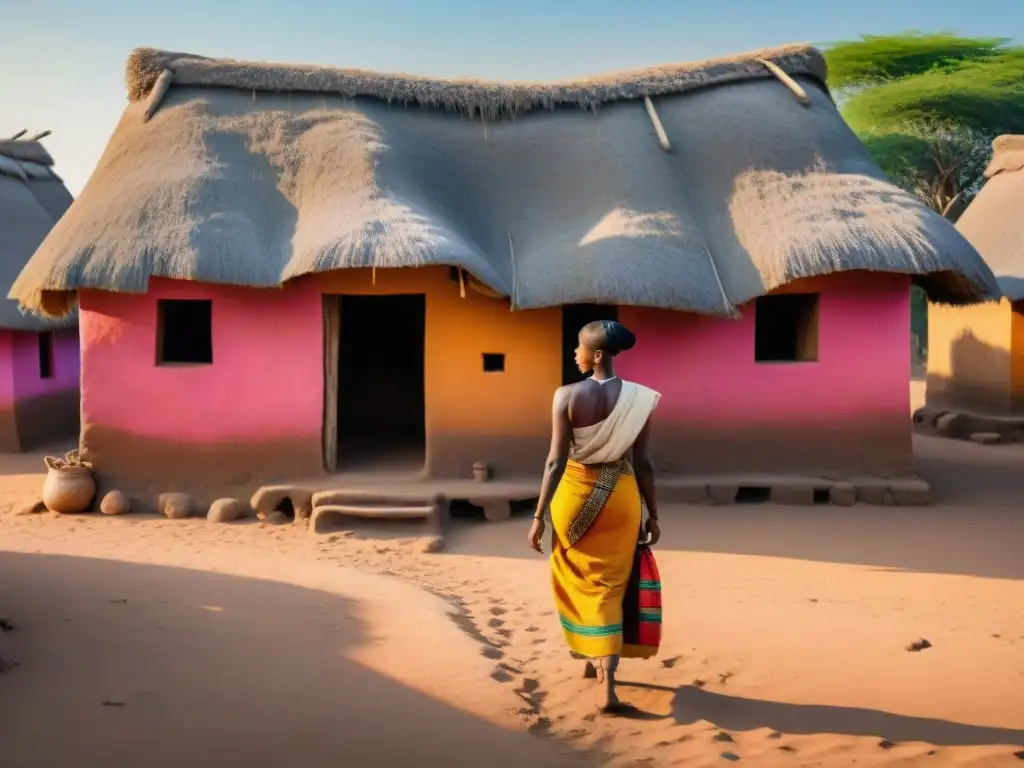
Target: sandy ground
x,y
148,642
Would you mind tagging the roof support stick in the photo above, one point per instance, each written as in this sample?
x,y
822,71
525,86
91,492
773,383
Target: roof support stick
x,y
157,94
658,127
514,304
786,80
38,136
18,135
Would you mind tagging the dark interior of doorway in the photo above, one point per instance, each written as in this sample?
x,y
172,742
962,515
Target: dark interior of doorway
x,y
574,317
381,406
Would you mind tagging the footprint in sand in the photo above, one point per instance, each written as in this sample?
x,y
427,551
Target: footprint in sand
x,y
491,652
497,611
669,663
495,623
502,675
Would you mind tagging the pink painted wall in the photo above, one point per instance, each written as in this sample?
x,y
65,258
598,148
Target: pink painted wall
x,y
706,372
6,368
266,381
25,359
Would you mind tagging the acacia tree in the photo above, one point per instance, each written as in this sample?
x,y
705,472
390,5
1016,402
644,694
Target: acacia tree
x,y
928,106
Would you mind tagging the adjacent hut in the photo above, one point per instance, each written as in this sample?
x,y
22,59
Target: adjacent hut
x,y
281,269
38,356
976,353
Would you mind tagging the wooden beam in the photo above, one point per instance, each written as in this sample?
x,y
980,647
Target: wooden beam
x,y
38,136
786,80
163,83
18,135
658,127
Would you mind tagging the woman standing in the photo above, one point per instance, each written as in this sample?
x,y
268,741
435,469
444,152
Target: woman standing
x,y
598,469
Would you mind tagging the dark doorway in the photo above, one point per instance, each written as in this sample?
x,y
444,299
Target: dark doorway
x,y
381,408
574,317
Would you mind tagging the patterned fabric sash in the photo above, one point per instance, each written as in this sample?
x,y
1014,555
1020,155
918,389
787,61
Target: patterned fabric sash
x,y
607,479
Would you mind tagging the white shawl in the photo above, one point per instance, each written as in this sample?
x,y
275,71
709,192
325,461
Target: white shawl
x,y
611,438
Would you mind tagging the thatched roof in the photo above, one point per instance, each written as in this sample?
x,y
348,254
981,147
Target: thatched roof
x,y
32,199
254,174
994,221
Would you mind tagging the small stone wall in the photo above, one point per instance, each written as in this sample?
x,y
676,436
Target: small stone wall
x,y
964,425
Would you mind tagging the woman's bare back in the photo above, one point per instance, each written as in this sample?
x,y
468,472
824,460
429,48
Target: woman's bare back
x,y
591,402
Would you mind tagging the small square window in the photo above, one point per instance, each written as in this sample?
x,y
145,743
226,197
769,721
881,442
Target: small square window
x,y
786,328
45,343
494,362
184,331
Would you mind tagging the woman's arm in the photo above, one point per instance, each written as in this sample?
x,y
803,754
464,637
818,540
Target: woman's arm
x,y
643,468
558,453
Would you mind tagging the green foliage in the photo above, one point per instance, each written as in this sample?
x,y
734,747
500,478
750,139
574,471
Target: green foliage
x,y
927,106
985,95
876,58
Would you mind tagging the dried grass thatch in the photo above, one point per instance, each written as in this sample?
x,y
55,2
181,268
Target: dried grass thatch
x,y
489,100
254,174
32,199
994,221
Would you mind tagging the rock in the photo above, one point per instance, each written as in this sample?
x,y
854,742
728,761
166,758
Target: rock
x,y
226,510
430,545
174,506
910,492
496,511
732,757
722,493
802,495
872,492
919,645
33,509
843,494
986,438
115,503
723,736
948,424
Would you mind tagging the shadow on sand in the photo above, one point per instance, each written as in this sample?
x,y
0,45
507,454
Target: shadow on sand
x,y
733,713
150,666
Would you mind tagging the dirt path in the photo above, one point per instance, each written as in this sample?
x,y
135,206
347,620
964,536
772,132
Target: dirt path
x,y
786,633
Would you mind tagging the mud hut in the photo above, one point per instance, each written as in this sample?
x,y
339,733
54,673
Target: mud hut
x,y
976,353
281,268
38,356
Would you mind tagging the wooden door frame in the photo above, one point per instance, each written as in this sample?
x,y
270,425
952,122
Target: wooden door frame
x,y
332,336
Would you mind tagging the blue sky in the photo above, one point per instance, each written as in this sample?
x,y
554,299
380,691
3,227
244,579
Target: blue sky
x,y
62,61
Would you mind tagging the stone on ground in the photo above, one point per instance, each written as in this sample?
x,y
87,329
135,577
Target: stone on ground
x,y
115,503
226,510
174,506
843,494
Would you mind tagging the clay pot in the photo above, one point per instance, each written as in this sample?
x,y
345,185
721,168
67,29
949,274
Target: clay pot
x,y
68,490
481,471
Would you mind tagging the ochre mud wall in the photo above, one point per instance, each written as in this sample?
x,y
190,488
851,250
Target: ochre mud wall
x,y
722,412
970,357
256,414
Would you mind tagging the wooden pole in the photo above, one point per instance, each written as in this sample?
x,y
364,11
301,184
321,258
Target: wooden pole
x,y
659,129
